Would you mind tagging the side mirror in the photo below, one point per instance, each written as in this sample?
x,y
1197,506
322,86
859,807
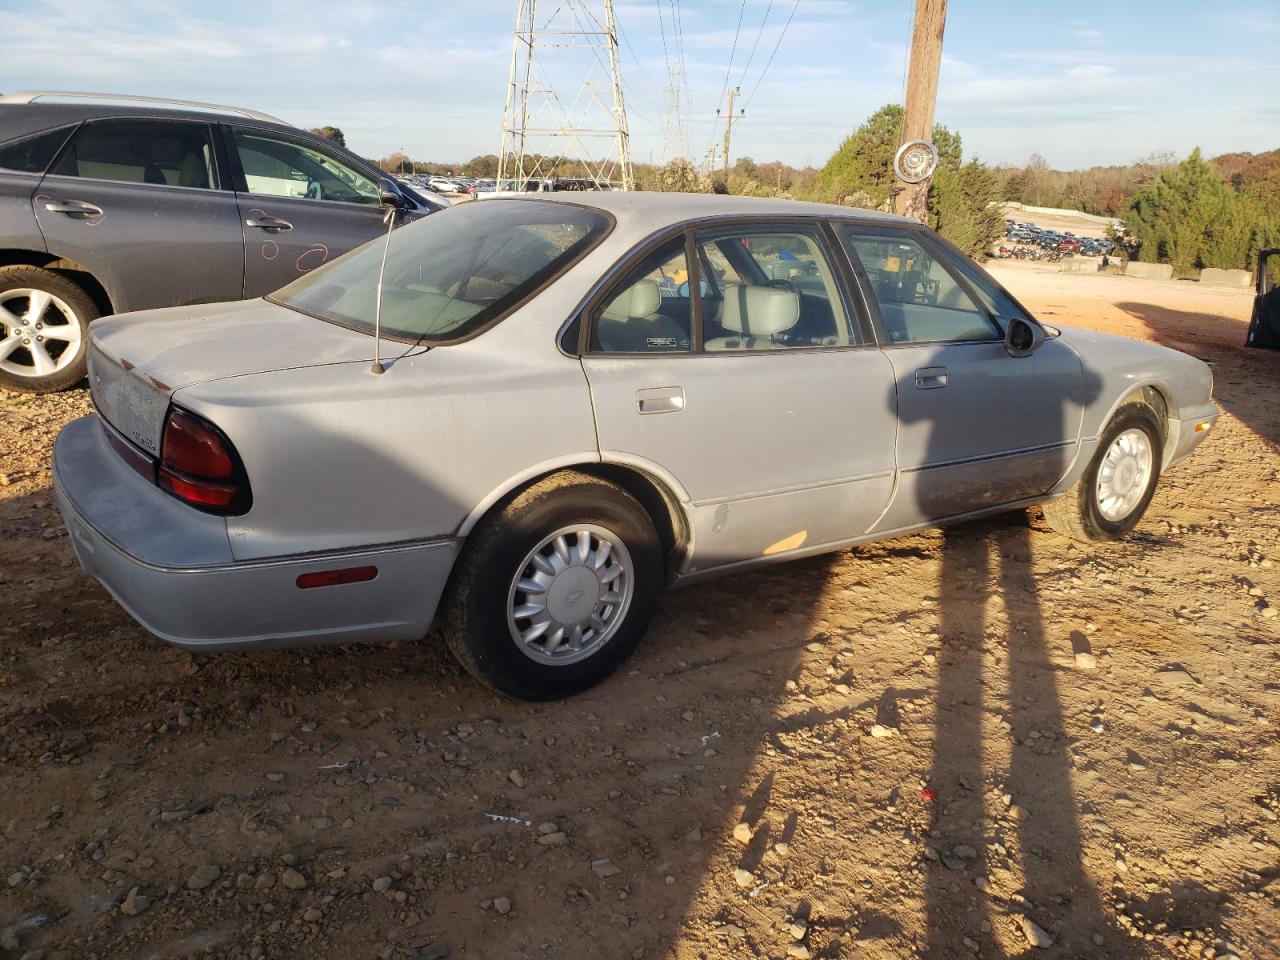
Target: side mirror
x,y
1022,337
389,194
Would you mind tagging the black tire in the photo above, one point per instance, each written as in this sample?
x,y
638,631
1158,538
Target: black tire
x,y
1077,514
474,615
83,311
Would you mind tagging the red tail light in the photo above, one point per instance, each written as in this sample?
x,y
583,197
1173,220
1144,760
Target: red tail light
x,y
199,465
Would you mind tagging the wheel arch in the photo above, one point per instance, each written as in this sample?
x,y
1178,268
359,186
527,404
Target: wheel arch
x,y
659,496
77,273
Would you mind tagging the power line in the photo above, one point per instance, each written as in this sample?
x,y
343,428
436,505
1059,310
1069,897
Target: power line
x,y
733,50
760,79
759,34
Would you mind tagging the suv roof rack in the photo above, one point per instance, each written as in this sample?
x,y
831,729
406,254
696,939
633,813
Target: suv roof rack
x,y
31,96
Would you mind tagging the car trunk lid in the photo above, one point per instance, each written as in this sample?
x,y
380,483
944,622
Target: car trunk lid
x,y
137,361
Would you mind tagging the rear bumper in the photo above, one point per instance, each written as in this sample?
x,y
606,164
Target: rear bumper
x,y
1189,432
236,605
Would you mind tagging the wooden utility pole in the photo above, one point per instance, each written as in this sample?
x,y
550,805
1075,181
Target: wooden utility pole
x,y
922,94
728,129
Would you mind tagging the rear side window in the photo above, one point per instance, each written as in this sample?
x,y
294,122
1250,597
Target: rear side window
x,y
160,152
651,310
32,154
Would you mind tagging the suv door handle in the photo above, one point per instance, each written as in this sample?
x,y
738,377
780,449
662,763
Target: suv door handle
x,y
270,224
660,400
73,208
931,378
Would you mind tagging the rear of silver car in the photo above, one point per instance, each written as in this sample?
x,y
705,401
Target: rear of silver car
x,y
171,566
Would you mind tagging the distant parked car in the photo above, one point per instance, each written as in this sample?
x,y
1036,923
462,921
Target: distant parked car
x,y
1068,244
445,185
559,429
114,204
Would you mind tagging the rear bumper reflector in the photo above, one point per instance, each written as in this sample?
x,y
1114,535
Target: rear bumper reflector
x,y
333,578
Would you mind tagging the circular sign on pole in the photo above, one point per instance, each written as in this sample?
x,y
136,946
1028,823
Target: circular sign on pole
x,y
915,161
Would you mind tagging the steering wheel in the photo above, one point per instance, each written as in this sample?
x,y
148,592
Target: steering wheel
x,y
314,190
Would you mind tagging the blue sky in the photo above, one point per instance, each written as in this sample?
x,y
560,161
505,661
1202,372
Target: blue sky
x,y
1080,83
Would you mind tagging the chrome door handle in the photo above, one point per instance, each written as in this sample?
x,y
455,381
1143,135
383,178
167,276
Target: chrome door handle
x,y
931,378
73,208
660,400
270,224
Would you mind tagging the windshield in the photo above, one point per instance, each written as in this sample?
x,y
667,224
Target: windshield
x,y
451,273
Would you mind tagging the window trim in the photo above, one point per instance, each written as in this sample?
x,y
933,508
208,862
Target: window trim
x,y
240,183
926,239
215,173
586,313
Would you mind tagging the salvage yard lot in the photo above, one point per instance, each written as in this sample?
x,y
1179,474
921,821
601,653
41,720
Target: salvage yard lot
x,y
952,744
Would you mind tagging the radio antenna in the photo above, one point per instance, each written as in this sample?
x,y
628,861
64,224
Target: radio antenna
x,y
390,221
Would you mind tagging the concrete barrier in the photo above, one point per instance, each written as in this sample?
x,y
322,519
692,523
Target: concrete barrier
x,y
1226,278
1149,271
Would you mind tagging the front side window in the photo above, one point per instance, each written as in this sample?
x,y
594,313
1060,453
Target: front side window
x,y
32,154
450,274
650,311
276,167
920,300
765,290
138,150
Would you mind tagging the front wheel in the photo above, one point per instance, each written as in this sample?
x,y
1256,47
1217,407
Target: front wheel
x,y
555,589
1113,492
44,327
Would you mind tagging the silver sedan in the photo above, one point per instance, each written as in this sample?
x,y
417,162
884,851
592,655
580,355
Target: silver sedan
x,y
586,400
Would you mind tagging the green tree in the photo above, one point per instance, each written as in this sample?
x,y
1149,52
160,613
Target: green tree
x,y
863,163
331,133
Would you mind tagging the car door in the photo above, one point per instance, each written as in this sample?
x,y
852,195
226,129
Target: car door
x,y
977,427
138,202
300,206
729,363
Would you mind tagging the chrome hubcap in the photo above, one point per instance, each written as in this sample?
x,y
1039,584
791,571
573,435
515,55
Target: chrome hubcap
x,y
570,594
39,334
1124,474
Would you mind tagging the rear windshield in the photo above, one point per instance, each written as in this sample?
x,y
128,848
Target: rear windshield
x,y
451,273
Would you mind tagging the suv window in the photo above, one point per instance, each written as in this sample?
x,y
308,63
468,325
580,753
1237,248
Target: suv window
x,y
32,154
920,300
139,150
650,311
769,288
276,167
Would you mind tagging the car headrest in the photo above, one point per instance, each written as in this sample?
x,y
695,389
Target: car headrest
x,y
759,311
641,299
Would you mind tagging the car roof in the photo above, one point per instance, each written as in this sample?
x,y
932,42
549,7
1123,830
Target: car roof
x,y
18,119
641,209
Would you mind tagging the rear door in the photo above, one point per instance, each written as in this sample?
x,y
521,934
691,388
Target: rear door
x,y
138,202
300,206
731,362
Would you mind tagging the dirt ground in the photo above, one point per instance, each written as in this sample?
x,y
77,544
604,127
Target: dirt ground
x,y
916,748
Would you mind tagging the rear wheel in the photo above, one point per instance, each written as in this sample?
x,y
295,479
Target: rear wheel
x,y
44,324
554,590
1113,492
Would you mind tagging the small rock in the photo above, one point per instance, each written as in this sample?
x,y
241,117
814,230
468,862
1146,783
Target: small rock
x,y
515,777
382,885
731,930
604,869
1035,936
1086,661
557,839
17,877
502,905
742,833
782,848
292,879
798,929
275,777
135,903
548,827
954,863
265,881
694,835
312,915
203,877
798,951
1267,613
99,791
965,852
880,730
322,823
744,878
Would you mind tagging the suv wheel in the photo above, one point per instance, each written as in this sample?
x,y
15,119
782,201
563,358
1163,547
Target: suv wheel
x,y
44,324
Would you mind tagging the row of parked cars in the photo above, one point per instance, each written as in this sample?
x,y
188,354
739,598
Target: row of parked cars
x,y
1064,242
350,456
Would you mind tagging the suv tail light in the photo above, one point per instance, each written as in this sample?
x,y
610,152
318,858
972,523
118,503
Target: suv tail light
x,y
199,466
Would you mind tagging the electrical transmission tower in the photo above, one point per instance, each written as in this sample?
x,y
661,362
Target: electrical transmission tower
x,y
572,47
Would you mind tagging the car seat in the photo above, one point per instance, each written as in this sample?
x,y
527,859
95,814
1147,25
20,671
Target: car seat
x,y
756,315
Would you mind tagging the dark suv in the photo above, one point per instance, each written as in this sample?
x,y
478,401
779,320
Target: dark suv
x,y
107,208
